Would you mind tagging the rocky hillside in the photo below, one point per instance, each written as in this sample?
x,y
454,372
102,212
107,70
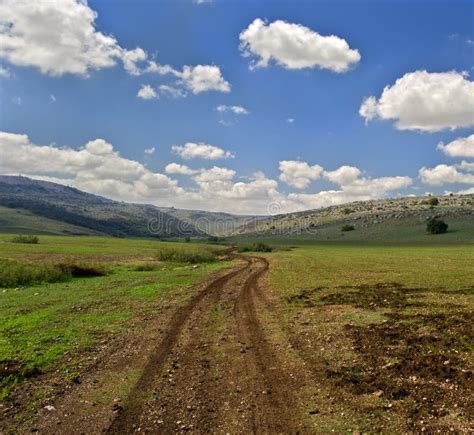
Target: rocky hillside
x,y
86,212
375,218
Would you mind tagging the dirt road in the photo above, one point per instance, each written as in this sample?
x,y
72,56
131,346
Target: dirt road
x,y
217,367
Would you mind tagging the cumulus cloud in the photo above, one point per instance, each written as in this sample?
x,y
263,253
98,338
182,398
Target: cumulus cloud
x,y
290,120
352,186
362,189
425,101
294,46
59,37
197,79
176,168
96,167
202,78
461,147
299,174
343,175
192,150
445,174
146,92
238,110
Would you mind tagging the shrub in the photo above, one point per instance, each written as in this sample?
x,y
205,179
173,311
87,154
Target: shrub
x,y
32,240
436,226
186,255
15,273
347,211
187,239
347,228
433,201
256,247
213,239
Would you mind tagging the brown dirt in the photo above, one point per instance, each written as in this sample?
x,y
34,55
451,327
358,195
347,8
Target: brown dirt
x,y
213,368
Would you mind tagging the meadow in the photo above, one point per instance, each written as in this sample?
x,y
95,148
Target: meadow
x,y
381,333
59,298
386,330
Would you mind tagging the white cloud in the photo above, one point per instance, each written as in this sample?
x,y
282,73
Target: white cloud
x,y
176,168
150,151
172,91
52,98
146,92
197,79
343,175
192,150
466,166
202,2
299,174
59,37
444,174
202,78
4,72
468,191
362,189
96,167
238,110
290,120
461,147
130,59
425,101
294,46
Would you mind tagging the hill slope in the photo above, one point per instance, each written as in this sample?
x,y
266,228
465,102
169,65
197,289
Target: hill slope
x,y
401,219
86,213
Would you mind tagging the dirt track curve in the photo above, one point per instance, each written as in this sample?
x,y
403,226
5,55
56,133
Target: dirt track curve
x,y
217,366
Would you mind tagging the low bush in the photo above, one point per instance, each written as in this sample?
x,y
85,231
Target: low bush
x,y
436,226
28,238
186,255
256,247
432,201
348,228
15,273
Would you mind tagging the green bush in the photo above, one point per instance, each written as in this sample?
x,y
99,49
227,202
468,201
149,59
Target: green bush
x,y
436,226
15,273
256,247
32,240
347,228
432,201
186,255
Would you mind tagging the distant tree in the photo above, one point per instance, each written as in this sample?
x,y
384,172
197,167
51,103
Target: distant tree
x,y
187,239
433,201
347,211
436,226
347,228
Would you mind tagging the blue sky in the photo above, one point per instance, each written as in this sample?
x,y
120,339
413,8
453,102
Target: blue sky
x,y
67,109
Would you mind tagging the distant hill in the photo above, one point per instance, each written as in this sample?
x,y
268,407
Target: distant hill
x,y
82,213
390,220
35,206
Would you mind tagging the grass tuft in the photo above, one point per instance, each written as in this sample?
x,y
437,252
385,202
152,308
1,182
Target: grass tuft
x,y
186,255
28,238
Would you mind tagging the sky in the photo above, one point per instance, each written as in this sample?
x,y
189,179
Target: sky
x,y
244,106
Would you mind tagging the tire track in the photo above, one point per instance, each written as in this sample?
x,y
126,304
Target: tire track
x,y
274,411
130,413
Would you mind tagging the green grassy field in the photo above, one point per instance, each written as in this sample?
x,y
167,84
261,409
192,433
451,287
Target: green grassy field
x,y
42,322
387,330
